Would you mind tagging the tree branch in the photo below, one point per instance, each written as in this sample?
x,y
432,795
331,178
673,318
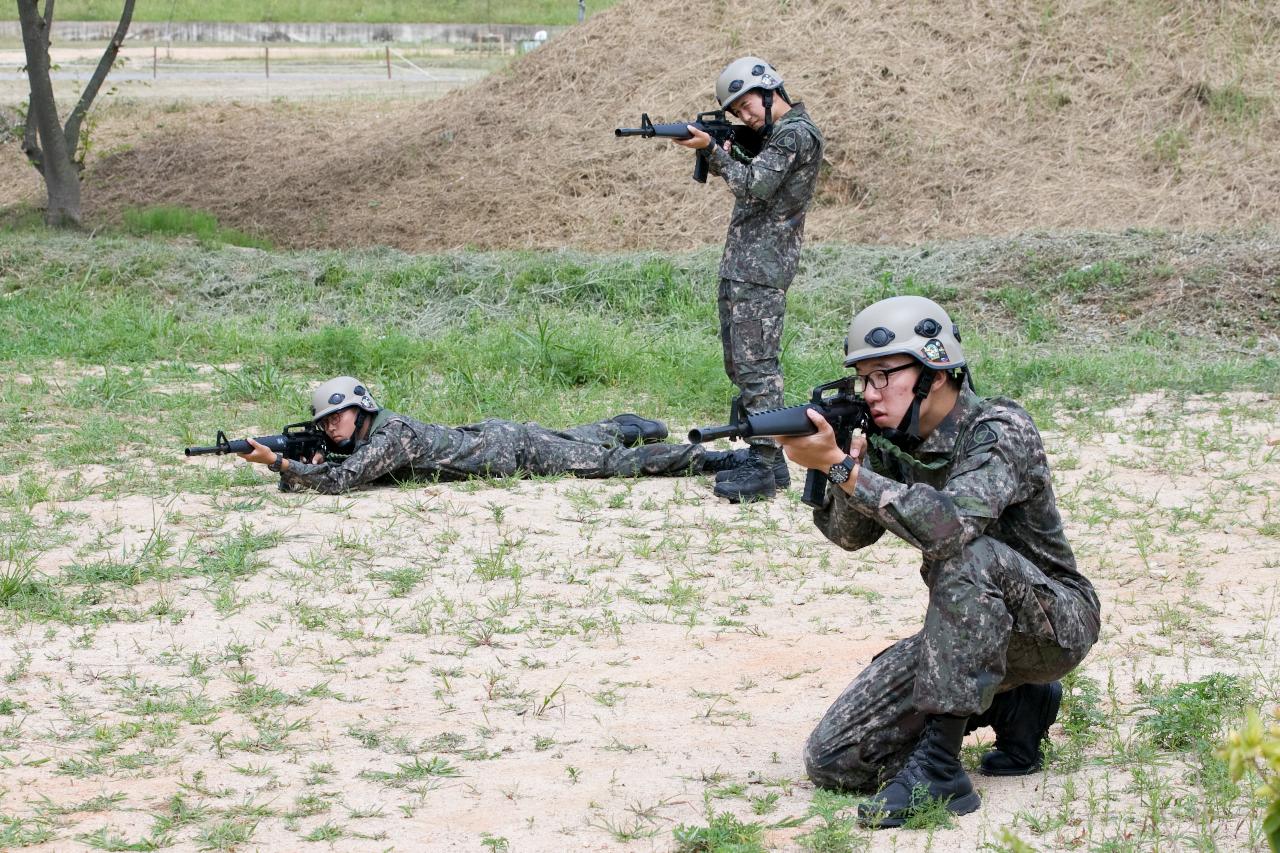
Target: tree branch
x,y
72,131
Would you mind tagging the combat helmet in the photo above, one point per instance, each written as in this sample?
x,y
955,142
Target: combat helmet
x,y
343,392
914,326
910,325
745,74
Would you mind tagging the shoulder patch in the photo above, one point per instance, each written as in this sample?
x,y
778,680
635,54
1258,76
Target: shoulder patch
x,y
984,435
787,141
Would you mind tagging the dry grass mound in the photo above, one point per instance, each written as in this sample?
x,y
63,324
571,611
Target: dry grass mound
x,y
944,120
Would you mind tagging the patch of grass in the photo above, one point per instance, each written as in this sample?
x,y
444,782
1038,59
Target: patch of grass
x,y
1191,717
413,771
724,833
1230,102
838,831
1168,145
23,832
172,221
1081,718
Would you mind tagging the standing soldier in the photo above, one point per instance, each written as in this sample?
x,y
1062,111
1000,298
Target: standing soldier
x,y
772,193
965,480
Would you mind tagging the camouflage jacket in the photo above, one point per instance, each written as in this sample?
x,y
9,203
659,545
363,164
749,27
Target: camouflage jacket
x,y
993,481
773,192
404,448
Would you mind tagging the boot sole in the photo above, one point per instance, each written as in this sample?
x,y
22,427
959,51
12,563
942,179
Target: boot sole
x,y
1013,771
967,804
746,499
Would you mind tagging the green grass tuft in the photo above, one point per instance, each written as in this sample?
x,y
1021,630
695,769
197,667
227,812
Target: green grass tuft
x,y
171,221
1192,716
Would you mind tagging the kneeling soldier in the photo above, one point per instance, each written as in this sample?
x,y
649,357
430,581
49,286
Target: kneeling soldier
x,y
964,479
381,443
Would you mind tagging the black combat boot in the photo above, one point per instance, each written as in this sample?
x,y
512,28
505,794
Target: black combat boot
x,y
1021,718
742,456
933,769
637,430
751,481
718,462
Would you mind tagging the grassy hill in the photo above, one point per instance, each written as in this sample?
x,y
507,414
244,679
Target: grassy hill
x,y
944,120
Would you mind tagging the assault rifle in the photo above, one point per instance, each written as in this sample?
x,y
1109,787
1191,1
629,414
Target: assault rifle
x,y
713,123
299,442
835,401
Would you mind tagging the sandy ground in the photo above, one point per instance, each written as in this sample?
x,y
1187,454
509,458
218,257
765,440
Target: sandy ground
x,y
597,660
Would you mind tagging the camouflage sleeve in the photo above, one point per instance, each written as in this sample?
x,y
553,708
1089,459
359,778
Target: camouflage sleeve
x,y
760,179
389,449
1001,457
840,523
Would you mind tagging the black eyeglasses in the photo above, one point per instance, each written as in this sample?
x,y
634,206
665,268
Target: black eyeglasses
x,y
877,379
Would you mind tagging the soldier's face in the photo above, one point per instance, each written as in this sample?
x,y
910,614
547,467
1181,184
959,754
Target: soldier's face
x,y
889,404
339,426
749,109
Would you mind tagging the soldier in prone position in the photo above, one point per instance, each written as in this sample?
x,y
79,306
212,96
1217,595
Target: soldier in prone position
x,y
966,480
381,443
771,192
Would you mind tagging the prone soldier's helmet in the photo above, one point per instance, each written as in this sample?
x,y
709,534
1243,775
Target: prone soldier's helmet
x,y
910,325
743,75
341,392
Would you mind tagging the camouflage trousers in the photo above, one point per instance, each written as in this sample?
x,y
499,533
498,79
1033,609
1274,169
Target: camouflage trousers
x,y
505,448
994,622
751,317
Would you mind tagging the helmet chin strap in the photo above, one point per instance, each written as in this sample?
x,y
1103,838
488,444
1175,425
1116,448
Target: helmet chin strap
x,y
907,435
766,98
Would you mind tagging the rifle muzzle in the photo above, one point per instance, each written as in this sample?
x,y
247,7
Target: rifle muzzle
x,y
711,433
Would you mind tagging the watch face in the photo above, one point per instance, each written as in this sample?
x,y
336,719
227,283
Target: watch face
x,y
839,472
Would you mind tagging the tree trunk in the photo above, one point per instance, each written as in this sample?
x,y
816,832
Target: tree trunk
x,y
54,154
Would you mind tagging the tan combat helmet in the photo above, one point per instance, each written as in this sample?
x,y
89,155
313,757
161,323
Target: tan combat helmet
x,y
914,326
910,325
340,393
743,75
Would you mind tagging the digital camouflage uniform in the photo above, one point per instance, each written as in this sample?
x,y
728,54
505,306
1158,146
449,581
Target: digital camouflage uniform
x,y
762,252
1006,603
406,448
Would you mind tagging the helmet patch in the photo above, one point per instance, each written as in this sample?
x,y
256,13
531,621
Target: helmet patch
x,y
935,352
879,337
769,81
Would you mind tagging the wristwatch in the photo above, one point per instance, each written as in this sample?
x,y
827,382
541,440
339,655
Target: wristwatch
x,y
277,462
839,472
